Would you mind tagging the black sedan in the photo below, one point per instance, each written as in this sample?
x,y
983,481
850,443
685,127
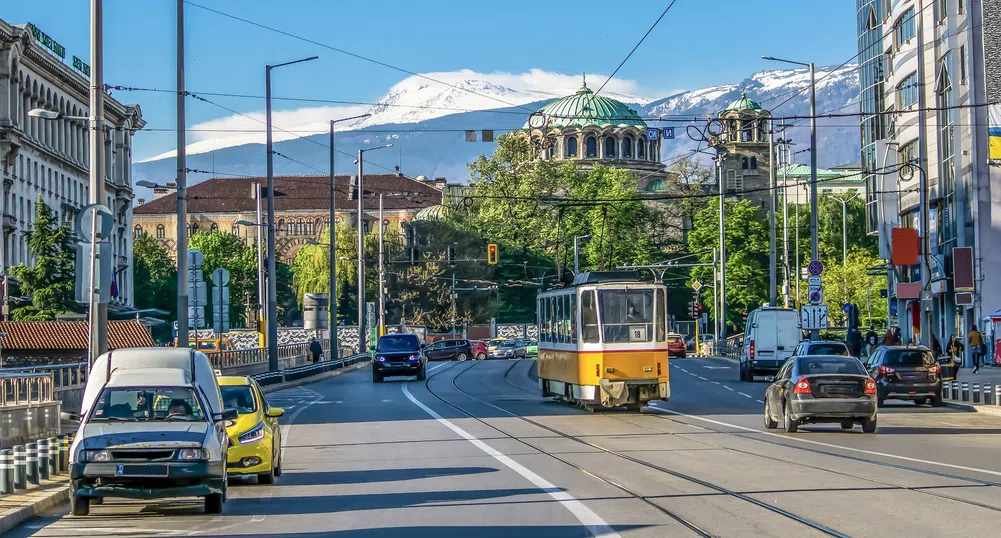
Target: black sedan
x,y
399,354
821,388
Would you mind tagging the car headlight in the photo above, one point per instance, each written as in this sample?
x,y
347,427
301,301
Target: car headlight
x,y
413,358
191,454
253,435
509,352
381,359
94,456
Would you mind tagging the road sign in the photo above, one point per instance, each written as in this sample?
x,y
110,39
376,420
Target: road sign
x,y
697,285
195,258
669,133
652,134
196,317
815,268
813,317
220,277
816,296
813,281
102,277
85,222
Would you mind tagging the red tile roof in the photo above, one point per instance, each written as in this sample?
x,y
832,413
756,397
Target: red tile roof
x,y
297,193
70,335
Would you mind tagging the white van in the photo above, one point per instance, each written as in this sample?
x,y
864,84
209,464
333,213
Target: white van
x,y
152,425
770,338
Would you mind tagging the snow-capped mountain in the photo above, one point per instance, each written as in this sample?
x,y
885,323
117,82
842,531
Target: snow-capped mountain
x,y
426,121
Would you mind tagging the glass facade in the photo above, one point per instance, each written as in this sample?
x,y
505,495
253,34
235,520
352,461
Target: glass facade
x,y
946,151
872,75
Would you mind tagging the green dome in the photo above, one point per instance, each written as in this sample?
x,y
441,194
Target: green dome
x,y
656,185
434,213
743,104
584,109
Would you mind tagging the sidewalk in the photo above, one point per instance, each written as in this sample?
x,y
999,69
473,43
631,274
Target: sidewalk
x,y
986,376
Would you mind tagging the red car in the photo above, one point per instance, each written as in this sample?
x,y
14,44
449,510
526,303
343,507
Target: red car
x,y
676,346
479,349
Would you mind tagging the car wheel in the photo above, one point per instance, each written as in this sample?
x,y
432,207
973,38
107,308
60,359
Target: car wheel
x,y
278,466
376,378
770,423
869,425
847,424
481,357
460,357
80,506
213,503
422,374
743,374
266,478
790,425
921,401
936,400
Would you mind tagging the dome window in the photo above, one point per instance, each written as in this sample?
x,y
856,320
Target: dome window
x,y
744,163
610,152
591,146
627,147
571,150
754,163
641,150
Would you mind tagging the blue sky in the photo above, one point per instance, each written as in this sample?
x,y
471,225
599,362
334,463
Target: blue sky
x,y
699,43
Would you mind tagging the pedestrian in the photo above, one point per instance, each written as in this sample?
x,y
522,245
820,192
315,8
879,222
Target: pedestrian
x,y
976,342
955,351
315,348
888,337
854,342
896,337
936,346
871,341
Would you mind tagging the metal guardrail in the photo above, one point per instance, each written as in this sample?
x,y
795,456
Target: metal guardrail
x,y
63,375
18,388
258,355
308,370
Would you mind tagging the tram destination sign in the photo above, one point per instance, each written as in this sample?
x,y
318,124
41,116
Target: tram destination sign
x,y
47,41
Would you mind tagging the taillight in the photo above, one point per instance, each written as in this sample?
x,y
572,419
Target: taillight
x,y
802,387
934,369
886,370
870,386
752,350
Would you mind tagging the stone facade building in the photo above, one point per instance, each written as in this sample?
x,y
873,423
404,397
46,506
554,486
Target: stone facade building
x,y
744,159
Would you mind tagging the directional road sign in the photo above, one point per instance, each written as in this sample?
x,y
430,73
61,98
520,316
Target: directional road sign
x,y
652,134
815,268
102,276
85,222
814,317
669,133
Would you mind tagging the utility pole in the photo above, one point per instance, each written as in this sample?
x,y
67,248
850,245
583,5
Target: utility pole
x,y
262,291
332,260
925,318
844,226
382,274
785,218
182,189
362,334
98,318
722,247
772,277
715,299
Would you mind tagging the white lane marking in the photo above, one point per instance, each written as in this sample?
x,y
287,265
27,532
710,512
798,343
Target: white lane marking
x,y
760,401
727,388
830,445
950,424
287,430
717,367
744,395
715,382
702,378
258,518
593,522
436,366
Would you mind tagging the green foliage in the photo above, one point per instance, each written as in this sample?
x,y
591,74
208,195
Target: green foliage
x,y
230,252
830,224
50,283
849,283
155,277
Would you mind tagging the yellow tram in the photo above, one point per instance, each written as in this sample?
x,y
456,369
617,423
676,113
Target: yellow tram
x,y
618,357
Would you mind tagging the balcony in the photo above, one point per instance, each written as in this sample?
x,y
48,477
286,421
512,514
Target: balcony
x,y
9,223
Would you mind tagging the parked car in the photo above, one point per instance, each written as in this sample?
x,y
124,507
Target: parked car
x,y
399,354
821,388
255,435
906,373
823,347
676,346
532,349
509,349
478,348
152,426
771,336
449,350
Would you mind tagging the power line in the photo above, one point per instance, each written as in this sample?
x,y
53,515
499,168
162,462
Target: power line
x,y
642,39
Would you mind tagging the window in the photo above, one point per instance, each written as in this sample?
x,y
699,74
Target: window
x,y
907,92
571,150
641,150
137,231
239,397
661,315
733,181
214,227
941,10
904,28
160,231
610,151
194,228
589,317
744,163
627,147
281,226
235,229
754,163
160,403
946,148
626,315
962,63
591,146
552,148
908,153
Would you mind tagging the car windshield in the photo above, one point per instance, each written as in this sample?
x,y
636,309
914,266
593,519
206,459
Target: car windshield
x,y
831,348
533,343
506,343
674,339
138,404
239,397
829,365
909,358
405,342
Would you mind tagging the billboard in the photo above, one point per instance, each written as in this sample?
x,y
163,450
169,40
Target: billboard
x,y
991,27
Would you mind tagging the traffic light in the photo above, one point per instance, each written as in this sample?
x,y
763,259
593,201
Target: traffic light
x,y
450,255
744,314
691,309
492,254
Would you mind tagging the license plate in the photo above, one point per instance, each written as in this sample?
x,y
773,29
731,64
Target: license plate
x,y
151,471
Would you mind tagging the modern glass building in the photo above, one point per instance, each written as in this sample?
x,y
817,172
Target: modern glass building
x,y
872,76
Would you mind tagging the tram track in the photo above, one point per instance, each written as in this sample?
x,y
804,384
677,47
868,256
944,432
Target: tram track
x,y
647,500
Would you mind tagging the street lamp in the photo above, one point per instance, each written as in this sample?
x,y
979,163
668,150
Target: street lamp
x,y
844,225
272,339
361,243
814,250
43,114
333,239
576,263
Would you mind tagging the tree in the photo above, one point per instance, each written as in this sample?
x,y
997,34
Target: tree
x,y
155,277
425,294
746,255
51,281
830,222
230,252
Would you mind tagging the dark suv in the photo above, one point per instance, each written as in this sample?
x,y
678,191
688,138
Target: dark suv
x,y
449,350
906,373
399,354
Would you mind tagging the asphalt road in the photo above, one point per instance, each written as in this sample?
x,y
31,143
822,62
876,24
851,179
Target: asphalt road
x,y
475,451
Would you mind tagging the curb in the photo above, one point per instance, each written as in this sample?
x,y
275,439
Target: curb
x,y
34,502
307,380
986,409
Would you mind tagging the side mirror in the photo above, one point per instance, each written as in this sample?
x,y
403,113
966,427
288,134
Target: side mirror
x,y
770,379
68,416
275,412
423,346
371,348
227,414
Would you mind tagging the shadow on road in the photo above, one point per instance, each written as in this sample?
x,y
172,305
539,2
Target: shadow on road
x,y
376,475
485,531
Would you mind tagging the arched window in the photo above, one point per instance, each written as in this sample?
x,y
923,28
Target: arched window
x,y
194,228
385,224
591,144
160,231
641,150
365,226
627,147
214,227
301,227
281,226
610,150
317,226
571,150
552,148
754,163
235,229
309,227
326,222
743,163
137,231
403,223
188,230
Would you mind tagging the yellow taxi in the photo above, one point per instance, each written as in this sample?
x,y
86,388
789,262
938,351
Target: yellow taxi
x,y
492,343
255,436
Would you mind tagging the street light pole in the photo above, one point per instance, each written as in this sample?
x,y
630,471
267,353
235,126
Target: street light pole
x,y
576,261
262,292
98,318
722,248
844,226
272,340
382,274
772,276
362,334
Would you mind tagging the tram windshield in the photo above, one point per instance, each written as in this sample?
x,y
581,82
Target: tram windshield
x,y
626,315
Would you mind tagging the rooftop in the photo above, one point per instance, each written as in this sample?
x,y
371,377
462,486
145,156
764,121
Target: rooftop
x,y
744,103
69,335
584,108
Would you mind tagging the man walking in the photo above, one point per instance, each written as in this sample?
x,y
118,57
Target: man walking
x,y
315,349
976,343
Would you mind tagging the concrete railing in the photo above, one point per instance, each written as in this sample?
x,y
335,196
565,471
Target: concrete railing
x,y
28,407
